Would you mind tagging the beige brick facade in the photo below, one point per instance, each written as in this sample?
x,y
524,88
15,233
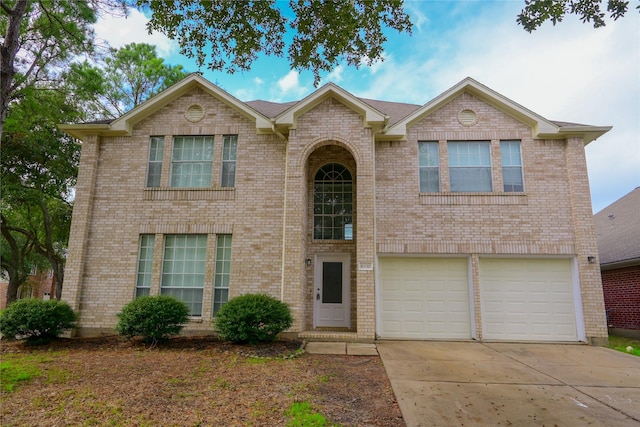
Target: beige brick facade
x,y
269,211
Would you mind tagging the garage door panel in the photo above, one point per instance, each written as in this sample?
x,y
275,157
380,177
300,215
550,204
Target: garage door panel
x,y
527,299
434,294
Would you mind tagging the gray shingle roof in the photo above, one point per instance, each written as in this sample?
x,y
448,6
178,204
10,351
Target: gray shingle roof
x,y
395,110
618,229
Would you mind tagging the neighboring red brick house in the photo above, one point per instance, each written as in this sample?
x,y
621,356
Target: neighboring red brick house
x,y
618,233
468,217
38,285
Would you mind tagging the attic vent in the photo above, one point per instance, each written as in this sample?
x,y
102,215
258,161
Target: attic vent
x,y
195,113
467,117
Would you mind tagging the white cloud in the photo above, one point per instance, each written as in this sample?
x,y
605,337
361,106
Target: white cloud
x,y
119,31
258,81
335,75
418,18
290,86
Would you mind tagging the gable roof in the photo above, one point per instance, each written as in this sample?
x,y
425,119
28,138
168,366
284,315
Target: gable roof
x,y
370,115
542,128
123,125
390,119
618,231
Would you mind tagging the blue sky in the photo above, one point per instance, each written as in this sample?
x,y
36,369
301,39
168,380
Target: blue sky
x,y
570,72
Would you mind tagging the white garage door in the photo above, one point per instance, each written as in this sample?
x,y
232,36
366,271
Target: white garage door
x,y
527,299
424,298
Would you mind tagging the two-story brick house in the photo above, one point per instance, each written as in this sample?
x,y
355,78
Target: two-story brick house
x,y
468,217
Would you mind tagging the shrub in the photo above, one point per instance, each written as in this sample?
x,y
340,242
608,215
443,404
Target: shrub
x,y
153,317
252,318
36,320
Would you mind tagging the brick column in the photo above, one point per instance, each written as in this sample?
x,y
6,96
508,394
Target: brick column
x,y
80,223
586,245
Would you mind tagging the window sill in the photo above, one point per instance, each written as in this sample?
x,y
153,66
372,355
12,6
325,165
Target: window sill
x,y
449,198
332,241
167,193
193,319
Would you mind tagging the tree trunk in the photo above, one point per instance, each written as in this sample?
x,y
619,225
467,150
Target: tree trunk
x,y
8,52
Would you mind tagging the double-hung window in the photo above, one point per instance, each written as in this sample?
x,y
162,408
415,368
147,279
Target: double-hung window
x,y
191,161
511,166
155,161
222,272
145,263
470,166
229,153
183,269
429,166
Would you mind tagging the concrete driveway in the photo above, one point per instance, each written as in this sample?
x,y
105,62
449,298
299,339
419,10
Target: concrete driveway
x,y
478,384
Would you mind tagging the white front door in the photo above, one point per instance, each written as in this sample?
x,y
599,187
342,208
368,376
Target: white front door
x,y
332,286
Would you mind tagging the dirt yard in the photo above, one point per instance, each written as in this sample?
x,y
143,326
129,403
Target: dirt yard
x,y
192,382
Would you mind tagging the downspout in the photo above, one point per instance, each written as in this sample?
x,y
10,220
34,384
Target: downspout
x,y
284,212
375,232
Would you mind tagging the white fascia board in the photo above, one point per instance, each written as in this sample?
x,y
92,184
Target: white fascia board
x,y
371,115
81,131
587,133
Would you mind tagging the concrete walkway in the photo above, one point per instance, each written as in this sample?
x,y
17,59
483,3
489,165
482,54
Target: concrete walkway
x,y
476,384
349,348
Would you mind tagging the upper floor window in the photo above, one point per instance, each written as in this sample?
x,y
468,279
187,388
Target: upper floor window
x,y
155,161
470,166
429,162
511,166
229,153
333,203
191,161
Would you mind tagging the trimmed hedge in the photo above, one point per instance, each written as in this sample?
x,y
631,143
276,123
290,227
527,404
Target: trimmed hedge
x,y
252,318
153,317
36,320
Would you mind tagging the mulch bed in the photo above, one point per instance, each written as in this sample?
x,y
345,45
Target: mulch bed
x,y
193,381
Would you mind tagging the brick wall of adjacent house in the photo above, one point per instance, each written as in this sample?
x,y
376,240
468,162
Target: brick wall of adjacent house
x,y
39,286
622,297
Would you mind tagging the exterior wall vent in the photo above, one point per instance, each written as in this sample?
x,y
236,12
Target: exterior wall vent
x,y
195,113
467,117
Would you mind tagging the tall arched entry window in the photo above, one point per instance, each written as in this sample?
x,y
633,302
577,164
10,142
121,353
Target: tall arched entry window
x,y
333,203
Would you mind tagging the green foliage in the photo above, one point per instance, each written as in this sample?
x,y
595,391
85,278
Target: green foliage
x,y
236,32
134,73
536,12
625,345
153,317
304,416
12,373
36,320
252,318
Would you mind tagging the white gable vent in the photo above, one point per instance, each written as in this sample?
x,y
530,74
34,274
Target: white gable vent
x,y
467,117
195,113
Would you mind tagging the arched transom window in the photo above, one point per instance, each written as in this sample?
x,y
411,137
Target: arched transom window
x,y
333,203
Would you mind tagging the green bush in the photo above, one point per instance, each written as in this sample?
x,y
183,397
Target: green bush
x,y
36,320
153,317
252,318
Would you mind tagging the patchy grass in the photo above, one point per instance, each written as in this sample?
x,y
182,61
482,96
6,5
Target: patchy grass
x,y
16,370
624,344
304,416
108,381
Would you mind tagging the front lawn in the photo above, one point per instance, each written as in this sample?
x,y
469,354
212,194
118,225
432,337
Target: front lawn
x,y
190,382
